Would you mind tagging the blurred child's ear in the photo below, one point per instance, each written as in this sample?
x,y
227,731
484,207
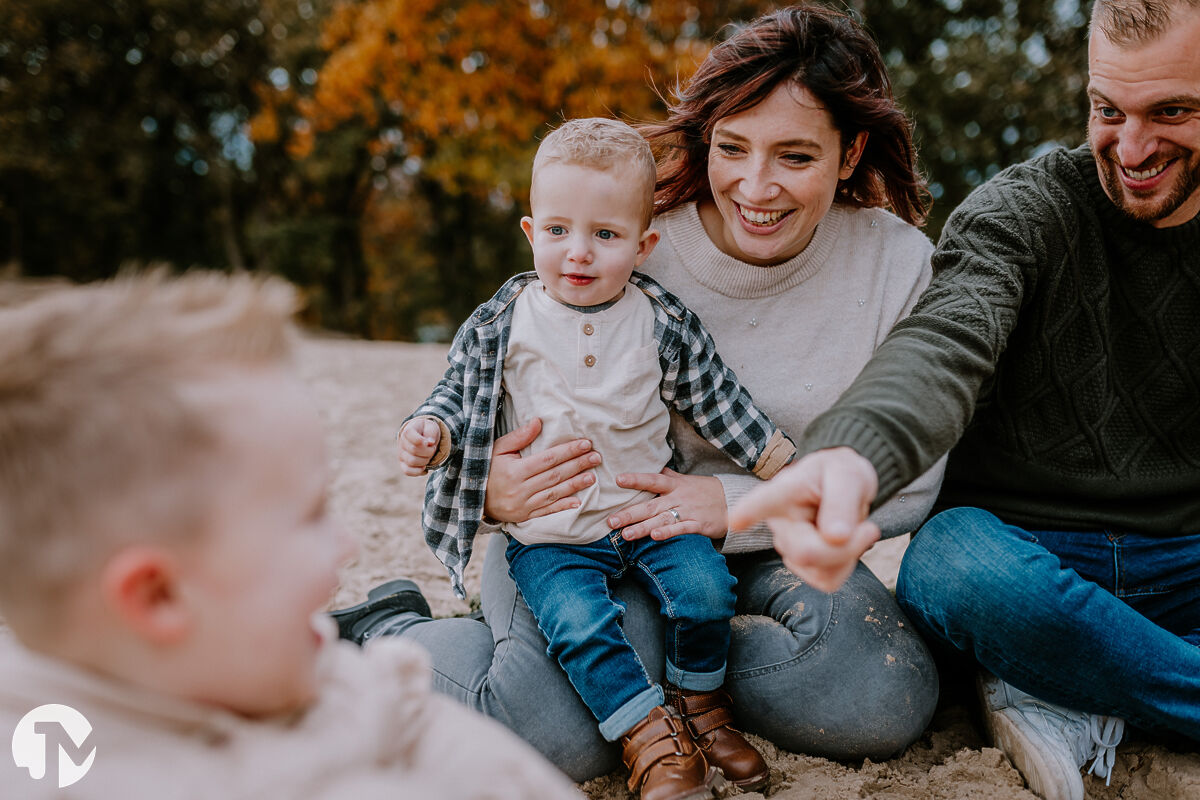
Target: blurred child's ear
x,y
646,246
527,226
141,586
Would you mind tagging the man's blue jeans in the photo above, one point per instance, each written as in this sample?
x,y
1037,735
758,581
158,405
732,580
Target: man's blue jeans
x,y
1103,622
567,589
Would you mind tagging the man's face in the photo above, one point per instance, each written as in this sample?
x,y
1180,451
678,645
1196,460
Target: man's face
x,y
1144,126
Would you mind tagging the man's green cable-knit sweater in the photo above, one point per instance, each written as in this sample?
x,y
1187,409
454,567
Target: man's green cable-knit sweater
x,y
1061,341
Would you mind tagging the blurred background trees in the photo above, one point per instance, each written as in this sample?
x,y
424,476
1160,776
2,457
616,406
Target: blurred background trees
x,y
377,152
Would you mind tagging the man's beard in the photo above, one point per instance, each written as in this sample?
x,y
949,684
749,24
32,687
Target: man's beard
x,y
1185,185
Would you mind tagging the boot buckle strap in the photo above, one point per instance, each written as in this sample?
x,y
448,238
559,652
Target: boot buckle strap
x,y
700,724
690,704
644,734
648,757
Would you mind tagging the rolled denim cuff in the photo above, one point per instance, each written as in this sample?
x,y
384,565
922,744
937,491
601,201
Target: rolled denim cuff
x,y
695,681
631,713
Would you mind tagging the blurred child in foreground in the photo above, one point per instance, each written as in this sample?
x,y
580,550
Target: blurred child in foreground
x,y
165,551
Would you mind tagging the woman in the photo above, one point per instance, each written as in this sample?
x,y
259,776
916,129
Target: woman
x,y
777,160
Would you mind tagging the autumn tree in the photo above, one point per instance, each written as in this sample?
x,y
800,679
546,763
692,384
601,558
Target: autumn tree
x,y
453,96
456,95
377,152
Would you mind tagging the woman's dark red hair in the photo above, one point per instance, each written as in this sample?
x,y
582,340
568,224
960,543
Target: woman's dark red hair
x,y
833,57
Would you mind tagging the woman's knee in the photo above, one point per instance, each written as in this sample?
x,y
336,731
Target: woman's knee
x,y
849,679
844,704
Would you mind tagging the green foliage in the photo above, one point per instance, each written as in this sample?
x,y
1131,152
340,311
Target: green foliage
x,y
988,83
121,128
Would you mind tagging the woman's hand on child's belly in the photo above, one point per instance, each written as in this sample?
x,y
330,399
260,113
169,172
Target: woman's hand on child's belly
x,y
698,500
519,489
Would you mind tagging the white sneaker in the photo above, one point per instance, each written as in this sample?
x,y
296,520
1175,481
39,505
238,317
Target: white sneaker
x,y
1048,744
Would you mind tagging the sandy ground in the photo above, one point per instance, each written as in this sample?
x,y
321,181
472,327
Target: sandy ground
x,y
364,389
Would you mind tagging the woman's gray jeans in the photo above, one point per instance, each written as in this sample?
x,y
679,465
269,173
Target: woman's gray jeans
x,y
840,675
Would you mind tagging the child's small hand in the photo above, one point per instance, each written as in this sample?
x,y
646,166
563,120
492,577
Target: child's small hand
x,y
418,442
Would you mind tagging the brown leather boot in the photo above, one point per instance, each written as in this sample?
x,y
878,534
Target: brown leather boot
x,y
664,763
709,719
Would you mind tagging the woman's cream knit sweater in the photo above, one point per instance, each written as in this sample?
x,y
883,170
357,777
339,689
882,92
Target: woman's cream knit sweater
x,y
797,333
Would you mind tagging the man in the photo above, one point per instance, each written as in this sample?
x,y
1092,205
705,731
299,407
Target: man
x,y
1057,352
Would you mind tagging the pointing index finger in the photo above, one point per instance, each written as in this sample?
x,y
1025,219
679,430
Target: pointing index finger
x,y
832,487
786,495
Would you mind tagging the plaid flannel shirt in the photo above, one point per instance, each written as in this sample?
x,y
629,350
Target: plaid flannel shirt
x,y
466,401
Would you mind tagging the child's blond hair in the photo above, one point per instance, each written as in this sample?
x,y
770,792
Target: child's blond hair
x,y
604,144
100,443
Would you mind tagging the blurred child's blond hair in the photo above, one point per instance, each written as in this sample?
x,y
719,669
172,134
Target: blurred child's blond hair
x,y
101,441
603,144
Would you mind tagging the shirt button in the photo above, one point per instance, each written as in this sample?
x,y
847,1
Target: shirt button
x,y
588,330
590,360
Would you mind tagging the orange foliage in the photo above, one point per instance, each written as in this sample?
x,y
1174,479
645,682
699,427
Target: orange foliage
x,y
468,87
264,127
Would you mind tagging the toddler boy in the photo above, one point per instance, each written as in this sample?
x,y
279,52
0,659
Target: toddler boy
x,y
165,550
601,352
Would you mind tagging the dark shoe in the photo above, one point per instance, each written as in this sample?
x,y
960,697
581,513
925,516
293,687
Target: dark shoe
x,y
709,719
383,601
663,761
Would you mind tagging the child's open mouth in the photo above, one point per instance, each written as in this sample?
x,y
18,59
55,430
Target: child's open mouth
x,y
579,280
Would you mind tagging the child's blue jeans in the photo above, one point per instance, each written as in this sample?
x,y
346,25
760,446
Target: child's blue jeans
x,y
1099,621
566,587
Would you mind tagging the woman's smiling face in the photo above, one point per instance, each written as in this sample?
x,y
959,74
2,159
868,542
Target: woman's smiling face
x,y
774,171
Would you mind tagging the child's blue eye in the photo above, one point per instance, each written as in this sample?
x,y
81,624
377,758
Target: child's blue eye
x,y
605,234
556,230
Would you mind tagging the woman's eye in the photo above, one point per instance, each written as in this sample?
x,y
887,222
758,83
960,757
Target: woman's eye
x,y
729,149
606,234
797,158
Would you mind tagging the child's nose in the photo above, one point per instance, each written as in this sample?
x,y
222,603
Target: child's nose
x,y
579,252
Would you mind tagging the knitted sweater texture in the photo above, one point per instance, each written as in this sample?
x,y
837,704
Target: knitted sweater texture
x,y
1057,350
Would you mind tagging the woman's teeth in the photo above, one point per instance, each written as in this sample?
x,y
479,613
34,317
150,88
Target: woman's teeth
x,y
762,217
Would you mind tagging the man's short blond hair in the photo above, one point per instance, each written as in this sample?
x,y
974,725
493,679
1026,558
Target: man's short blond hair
x,y
1126,22
604,144
100,444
